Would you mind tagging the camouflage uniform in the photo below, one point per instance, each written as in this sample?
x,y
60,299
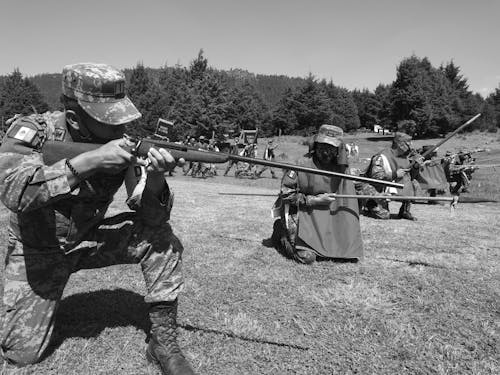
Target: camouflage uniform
x,y
55,230
384,166
234,151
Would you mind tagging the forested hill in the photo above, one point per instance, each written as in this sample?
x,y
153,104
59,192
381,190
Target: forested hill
x,y
270,87
424,101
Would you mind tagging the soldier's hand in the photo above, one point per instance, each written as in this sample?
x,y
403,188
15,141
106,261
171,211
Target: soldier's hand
x,y
112,157
161,161
323,199
401,172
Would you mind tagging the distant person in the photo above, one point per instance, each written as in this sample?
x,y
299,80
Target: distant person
x,y
459,168
188,167
270,156
234,150
391,164
245,169
312,224
200,168
431,178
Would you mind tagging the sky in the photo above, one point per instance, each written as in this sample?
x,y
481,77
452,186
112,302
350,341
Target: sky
x,y
354,43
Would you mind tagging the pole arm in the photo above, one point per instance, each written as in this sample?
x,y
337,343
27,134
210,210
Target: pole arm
x,y
452,134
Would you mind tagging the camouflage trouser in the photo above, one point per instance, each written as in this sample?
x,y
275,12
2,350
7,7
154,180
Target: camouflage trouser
x,y
377,208
34,279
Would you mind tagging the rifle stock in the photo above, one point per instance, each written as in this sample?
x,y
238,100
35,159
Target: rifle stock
x,y
54,151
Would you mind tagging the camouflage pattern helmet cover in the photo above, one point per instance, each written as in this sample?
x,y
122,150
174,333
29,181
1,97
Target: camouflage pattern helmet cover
x,y
329,134
400,137
100,91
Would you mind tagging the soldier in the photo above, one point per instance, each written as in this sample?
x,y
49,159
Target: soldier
x,y
244,169
459,168
212,146
268,155
234,151
391,164
188,167
200,168
57,223
312,224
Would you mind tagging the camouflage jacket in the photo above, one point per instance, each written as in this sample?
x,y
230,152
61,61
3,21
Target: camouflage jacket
x,y
384,165
45,211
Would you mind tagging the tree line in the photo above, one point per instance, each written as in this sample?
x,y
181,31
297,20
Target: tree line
x,y
424,100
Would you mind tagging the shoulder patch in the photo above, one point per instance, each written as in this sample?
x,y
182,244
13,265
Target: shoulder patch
x,y
28,130
59,134
292,174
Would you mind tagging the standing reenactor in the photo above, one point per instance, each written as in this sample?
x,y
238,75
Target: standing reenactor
x,y
234,151
212,146
188,167
57,223
200,168
268,155
244,169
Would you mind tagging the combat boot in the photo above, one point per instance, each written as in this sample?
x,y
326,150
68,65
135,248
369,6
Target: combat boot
x,y
404,212
163,349
379,212
305,256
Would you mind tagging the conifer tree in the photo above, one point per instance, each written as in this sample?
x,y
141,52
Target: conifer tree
x,y
20,95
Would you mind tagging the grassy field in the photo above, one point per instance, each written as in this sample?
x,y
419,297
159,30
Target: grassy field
x,y
425,299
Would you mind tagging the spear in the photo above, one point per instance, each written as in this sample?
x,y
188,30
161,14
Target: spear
x,y
361,196
453,199
452,134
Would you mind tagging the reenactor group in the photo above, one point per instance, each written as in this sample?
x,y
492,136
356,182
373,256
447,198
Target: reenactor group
x,y
58,223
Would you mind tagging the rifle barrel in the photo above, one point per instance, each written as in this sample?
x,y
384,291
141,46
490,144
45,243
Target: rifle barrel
x,y
221,157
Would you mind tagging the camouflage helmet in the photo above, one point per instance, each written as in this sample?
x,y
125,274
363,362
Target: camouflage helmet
x,y
100,91
400,138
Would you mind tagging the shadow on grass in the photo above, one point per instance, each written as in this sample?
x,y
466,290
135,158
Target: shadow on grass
x,y
87,314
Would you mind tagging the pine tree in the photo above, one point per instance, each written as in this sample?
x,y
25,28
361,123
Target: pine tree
x,y
20,95
343,107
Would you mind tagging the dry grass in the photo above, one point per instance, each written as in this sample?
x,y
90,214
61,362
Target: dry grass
x,y
425,300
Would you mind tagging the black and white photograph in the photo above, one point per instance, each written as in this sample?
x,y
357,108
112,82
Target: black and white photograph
x,y
266,187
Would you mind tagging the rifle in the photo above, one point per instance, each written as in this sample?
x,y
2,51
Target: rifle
x,y
54,151
452,134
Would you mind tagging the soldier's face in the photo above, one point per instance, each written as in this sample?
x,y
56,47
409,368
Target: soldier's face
x,y
104,132
404,147
326,153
